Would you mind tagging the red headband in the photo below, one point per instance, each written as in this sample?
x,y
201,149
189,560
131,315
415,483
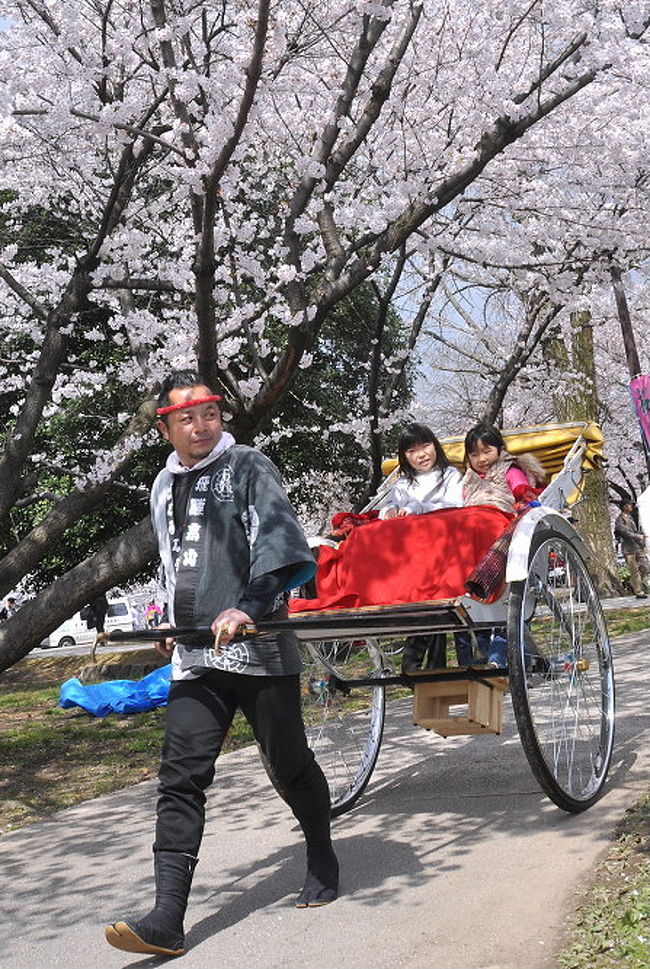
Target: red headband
x,y
187,403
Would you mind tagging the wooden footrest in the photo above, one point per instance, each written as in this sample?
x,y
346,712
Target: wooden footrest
x,y
483,700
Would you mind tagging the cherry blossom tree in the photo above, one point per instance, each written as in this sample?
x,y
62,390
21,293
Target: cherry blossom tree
x,y
228,173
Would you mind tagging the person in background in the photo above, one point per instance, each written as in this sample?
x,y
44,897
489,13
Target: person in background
x,y
9,608
99,609
94,614
633,547
139,620
152,615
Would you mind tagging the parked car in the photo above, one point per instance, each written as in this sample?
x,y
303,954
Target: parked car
x,y
75,632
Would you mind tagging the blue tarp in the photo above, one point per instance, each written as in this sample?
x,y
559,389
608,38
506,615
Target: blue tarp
x,y
118,696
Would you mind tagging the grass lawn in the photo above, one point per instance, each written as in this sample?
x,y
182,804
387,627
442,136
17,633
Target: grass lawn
x,y
52,758
611,929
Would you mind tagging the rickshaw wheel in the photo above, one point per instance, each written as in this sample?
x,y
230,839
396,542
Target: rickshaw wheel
x,y
344,726
561,673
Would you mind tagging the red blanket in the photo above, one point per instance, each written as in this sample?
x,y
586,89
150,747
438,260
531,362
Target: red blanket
x,y
411,559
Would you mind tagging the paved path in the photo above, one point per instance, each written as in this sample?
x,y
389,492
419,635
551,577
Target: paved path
x,y
453,860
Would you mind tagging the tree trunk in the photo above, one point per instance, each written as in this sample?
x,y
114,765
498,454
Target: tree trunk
x,y
578,401
118,560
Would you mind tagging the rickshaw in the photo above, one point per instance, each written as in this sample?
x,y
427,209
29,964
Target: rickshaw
x,y
559,671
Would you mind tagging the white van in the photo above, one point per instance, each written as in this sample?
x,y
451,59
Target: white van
x,y
75,631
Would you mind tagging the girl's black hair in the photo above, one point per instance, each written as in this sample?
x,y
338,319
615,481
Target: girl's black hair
x,y
486,434
418,434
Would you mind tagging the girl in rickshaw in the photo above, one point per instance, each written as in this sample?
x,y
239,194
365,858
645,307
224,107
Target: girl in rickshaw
x,y
428,483
495,477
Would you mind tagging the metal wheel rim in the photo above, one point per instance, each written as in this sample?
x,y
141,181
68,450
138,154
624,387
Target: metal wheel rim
x,y
567,671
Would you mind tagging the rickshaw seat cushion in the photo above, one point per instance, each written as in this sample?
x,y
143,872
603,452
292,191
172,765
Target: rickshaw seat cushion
x,y
400,560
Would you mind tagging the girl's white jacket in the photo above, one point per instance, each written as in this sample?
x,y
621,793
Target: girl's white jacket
x,y
430,491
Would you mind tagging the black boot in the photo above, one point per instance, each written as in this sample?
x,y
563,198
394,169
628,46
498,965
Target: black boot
x,y
161,931
322,883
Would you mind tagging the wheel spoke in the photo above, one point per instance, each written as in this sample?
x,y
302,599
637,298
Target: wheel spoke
x,y
344,726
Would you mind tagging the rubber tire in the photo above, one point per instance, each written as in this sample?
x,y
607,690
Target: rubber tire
x,y
66,641
561,674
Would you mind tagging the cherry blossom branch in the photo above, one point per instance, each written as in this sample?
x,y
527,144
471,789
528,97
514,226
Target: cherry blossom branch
x,y
414,333
44,14
380,92
85,498
466,354
34,304
527,340
188,137
384,301
253,74
139,283
53,348
371,32
131,129
512,31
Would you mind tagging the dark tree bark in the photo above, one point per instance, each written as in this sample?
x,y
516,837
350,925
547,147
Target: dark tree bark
x,y
118,560
384,302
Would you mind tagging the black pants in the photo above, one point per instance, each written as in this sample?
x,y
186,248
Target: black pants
x,y
415,648
199,715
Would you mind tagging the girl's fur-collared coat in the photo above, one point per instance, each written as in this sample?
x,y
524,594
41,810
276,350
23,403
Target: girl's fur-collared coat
x,y
492,487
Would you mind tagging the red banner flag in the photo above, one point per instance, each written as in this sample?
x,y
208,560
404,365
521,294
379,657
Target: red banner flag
x,y
640,390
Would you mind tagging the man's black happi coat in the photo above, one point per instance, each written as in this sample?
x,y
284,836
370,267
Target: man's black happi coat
x,y
234,524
